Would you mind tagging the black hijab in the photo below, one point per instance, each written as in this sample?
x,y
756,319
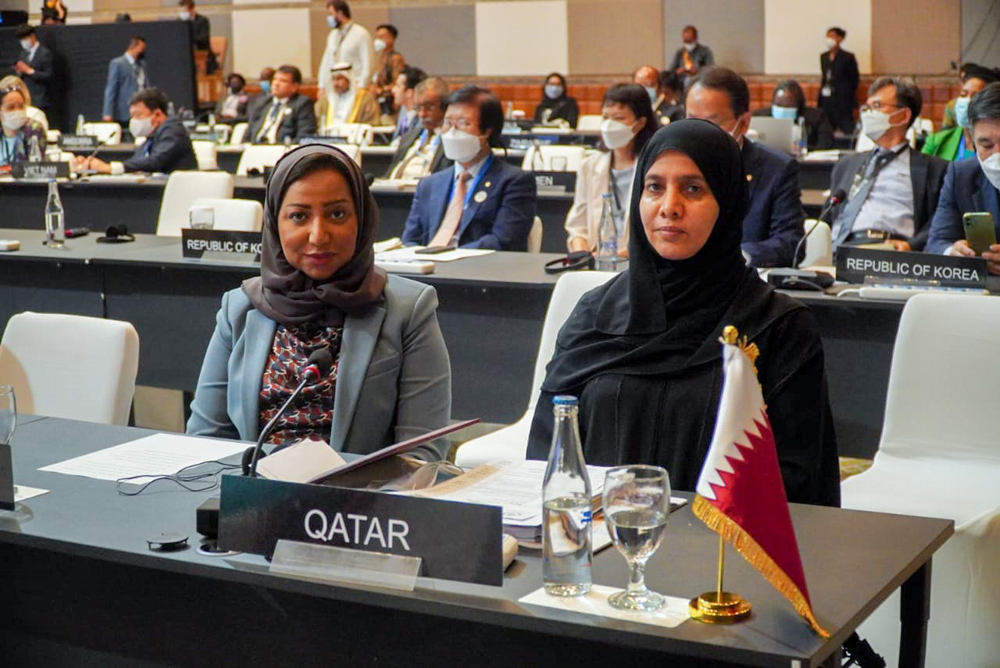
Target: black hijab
x,y
287,295
661,317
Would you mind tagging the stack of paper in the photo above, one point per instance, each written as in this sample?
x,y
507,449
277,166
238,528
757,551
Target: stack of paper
x,y
410,254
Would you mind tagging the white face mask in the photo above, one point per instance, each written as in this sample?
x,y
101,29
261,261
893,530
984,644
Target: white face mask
x,y
184,15
874,124
653,93
615,134
990,167
379,45
14,120
26,44
460,146
690,45
140,127
830,42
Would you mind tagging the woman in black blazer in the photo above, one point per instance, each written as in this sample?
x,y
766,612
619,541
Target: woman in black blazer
x,y
555,104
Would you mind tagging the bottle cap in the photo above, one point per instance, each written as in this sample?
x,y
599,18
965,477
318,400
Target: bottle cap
x,y
564,400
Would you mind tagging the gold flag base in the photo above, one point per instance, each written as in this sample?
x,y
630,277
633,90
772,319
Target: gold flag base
x,y
713,608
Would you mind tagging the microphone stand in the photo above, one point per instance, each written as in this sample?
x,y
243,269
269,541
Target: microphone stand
x,y
311,373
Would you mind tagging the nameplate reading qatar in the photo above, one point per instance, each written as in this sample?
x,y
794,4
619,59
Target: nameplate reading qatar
x,y
198,244
455,541
860,265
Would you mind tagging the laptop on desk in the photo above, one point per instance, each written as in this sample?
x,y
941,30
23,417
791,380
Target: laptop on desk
x,y
776,133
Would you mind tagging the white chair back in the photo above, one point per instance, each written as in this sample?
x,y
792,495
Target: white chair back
x,y
237,215
182,189
819,244
359,134
552,158
259,156
353,151
205,152
223,132
511,443
239,133
94,384
589,123
109,133
535,236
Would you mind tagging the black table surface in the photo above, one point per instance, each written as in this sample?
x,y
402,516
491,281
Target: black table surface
x,y
85,528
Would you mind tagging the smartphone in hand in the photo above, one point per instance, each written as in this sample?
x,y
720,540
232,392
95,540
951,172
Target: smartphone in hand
x,y
979,230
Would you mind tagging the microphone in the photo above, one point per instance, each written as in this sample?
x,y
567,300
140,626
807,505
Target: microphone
x,y
318,366
836,198
537,154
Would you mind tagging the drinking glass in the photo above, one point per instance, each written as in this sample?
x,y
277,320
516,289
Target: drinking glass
x,y
636,506
8,413
559,163
201,217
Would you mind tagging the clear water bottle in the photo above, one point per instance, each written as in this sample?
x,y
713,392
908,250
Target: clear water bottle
x,y
566,516
607,237
803,146
79,125
34,150
55,222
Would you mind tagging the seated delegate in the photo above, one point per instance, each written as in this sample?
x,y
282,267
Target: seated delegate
x,y
955,143
556,106
970,186
628,124
642,351
420,152
283,114
17,129
319,288
34,113
484,202
233,107
789,101
167,146
348,104
773,225
892,190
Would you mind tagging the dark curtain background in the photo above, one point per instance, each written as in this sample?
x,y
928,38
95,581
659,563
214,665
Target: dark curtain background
x,y
82,54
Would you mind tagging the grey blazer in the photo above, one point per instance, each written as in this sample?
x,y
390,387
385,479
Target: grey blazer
x,y
393,379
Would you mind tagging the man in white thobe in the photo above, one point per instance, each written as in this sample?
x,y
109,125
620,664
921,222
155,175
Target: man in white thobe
x,y
347,42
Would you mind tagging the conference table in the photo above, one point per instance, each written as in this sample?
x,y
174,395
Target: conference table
x,y
491,313
82,587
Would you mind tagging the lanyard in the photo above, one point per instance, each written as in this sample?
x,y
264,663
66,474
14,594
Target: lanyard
x,y
475,182
340,44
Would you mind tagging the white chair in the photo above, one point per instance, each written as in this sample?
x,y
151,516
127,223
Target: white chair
x,y
239,133
52,136
353,151
205,153
552,158
589,123
109,133
511,443
259,156
239,215
355,133
535,236
940,457
95,383
182,189
819,244
222,132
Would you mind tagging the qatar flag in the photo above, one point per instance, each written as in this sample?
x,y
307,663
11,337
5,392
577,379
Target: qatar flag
x,y
740,494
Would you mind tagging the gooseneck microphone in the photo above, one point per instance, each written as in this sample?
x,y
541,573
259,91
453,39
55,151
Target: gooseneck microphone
x,y
318,366
836,198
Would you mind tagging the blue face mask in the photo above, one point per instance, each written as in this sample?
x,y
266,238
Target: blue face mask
x,y
332,22
265,87
962,111
553,91
791,113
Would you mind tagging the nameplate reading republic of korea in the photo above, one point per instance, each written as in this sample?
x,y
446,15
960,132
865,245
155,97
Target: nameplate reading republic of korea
x,y
854,265
195,243
83,143
40,170
456,541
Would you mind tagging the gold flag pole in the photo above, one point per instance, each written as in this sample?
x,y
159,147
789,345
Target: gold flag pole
x,y
721,607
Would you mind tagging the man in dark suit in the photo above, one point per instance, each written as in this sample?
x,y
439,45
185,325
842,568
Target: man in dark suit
x,y
892,191
838,94
970,185
35,66
483,202
420,151
789,101
167,147
404,92
285,113
692,57
773,226
126,76
201,32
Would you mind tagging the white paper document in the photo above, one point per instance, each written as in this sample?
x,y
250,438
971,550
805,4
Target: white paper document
x,y
595,602
409,254
22,493
300,462
156,455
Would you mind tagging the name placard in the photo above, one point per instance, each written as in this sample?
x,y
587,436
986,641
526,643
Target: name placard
x,y
565,180
333,140
244,245
40,170
82,143
854,265
456,541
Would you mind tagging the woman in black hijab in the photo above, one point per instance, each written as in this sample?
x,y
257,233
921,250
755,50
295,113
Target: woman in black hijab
x,y
642,351
319,288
